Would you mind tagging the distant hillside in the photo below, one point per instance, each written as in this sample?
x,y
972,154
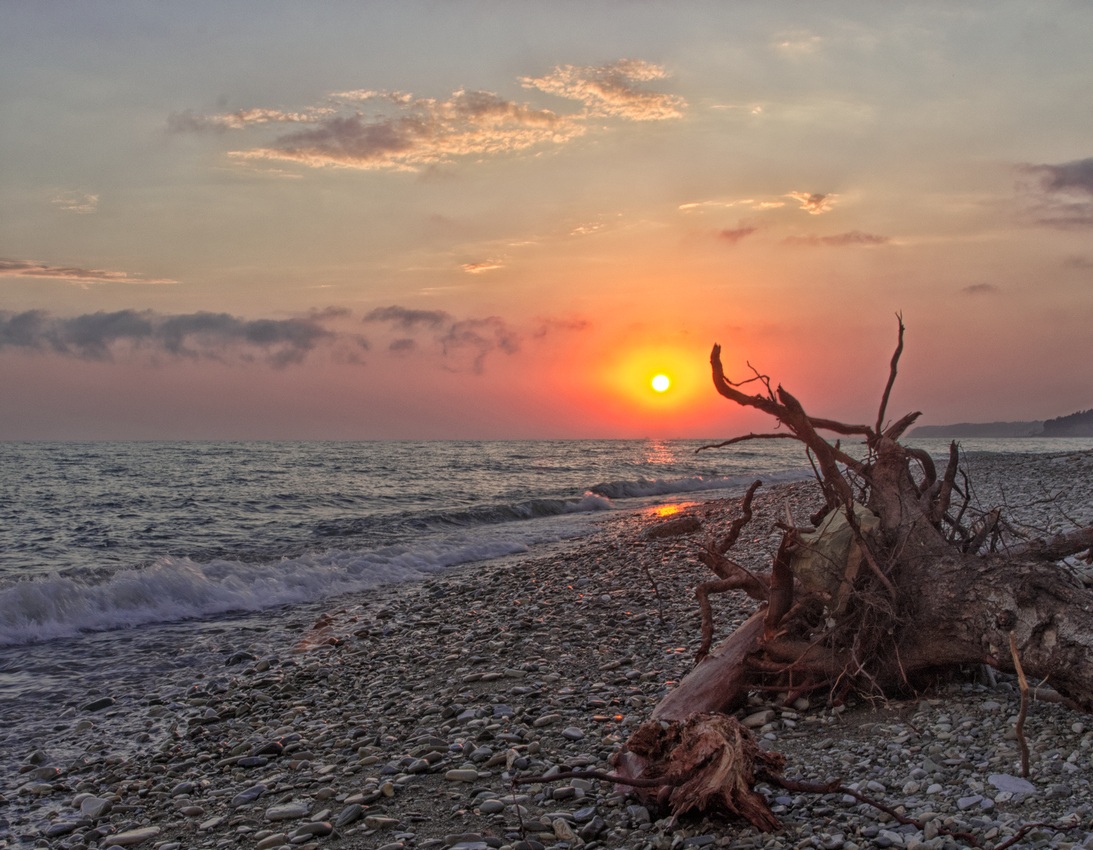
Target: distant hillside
x,y
980,429
1078,424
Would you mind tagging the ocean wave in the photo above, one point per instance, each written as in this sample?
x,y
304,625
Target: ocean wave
x,y
667,486
176,589
463,518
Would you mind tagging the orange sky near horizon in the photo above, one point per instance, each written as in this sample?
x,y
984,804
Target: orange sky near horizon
x,y
439,221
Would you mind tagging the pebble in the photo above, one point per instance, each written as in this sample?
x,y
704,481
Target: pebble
x,y
133,837
288,811
406,735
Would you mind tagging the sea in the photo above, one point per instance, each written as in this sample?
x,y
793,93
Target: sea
x,y
124,561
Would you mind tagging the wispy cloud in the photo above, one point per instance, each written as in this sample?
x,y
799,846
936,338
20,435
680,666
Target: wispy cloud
x,y
750,203
369,129
406,318
458,340
483,266
798,43
77,202
424,132
1062,194
812,202
72,274
461,343
980,289
853,237
549,326
188,121
614,89
107,336
733,235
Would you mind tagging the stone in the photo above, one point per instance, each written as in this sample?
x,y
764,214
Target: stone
x,y
288,811
315,828
249,795
61,827
133,837
967,802
350,814
1013,784
95,807
759,718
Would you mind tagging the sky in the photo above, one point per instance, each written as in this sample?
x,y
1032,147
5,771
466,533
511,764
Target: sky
x,y
500,220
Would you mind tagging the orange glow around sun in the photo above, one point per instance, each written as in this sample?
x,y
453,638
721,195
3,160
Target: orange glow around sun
x,y
655,383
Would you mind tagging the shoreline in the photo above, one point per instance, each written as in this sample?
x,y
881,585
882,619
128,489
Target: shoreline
x,y
402,730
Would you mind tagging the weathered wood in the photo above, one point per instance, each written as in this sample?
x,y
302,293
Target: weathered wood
x,y
924,599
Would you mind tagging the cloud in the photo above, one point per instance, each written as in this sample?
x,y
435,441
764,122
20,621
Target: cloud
x,y
735,234
1077,262
420,133
402,132
1076,176
77,202
408,319
190,122
483,266
751,203
813,203
980,289
71,274
798,43
461,343
549,326
612,89
1062,195
853,237
106,336
478,338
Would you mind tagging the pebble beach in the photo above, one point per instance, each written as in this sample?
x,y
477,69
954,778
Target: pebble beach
x,y
398,719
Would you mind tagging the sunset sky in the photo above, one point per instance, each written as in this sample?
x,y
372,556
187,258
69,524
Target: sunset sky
x,y
228,220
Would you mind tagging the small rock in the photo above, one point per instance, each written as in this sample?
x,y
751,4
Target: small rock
x,y
287,811
759,718
95,807
315,828
134,837
249,795
967,802
350,814
1013,784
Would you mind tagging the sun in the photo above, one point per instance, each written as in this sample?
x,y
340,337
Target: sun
x,y
661,383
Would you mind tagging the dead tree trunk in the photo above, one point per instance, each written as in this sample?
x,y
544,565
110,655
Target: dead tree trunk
x,y
891,585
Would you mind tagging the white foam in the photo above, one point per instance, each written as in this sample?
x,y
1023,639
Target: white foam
x,y
174,589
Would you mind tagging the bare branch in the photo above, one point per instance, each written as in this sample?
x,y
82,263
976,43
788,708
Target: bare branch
x,y
891,377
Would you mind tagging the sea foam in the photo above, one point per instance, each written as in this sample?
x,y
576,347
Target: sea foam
x,y
175,589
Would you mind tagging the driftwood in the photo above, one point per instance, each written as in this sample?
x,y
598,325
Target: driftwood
x,y
892,584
